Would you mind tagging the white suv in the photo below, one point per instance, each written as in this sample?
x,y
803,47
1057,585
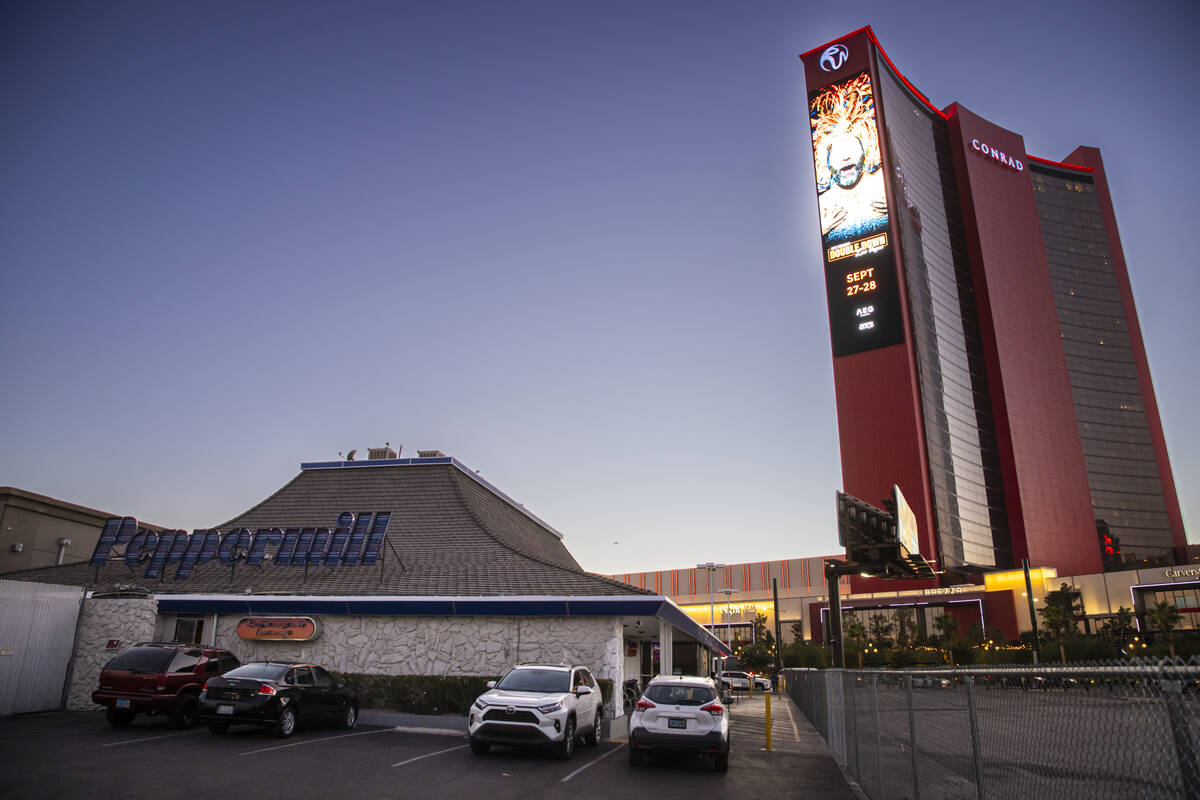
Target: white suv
x,y
538,704
680,714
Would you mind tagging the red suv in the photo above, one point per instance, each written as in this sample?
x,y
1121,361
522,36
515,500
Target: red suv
x,y
159,678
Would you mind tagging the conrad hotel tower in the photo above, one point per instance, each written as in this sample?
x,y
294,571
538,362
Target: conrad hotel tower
x,y
987,355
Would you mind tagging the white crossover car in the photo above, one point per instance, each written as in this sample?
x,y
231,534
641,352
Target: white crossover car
x,y
680,714
538,704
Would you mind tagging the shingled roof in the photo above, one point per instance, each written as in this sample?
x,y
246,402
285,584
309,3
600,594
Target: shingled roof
x,y
451,534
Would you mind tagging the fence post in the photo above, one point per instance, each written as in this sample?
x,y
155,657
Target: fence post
x,y
768,695
878,743
912,735
856,771
976,745
1181,733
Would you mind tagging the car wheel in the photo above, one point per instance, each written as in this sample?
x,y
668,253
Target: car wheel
x,y
592,739
183,715
349,718
218,728
119,717
636,757
480,748
721,762
567,745
286,725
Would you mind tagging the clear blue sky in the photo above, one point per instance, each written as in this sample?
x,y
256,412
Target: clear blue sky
x,y
573,244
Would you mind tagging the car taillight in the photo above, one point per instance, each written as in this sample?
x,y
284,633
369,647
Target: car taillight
x,y
266,689
714,708
643,704
162,687
204,688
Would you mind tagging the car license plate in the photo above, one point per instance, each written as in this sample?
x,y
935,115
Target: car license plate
x,y
672,722
122,702
224,709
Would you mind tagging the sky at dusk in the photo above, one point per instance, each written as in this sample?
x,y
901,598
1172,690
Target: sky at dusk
x,y
574,245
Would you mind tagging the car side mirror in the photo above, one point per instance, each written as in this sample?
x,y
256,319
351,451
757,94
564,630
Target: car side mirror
x,y
582,690
491,684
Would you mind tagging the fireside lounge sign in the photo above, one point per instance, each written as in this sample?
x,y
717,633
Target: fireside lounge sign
x,y
356,539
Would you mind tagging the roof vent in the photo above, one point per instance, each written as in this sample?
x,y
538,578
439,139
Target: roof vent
x,y
430,454
376,453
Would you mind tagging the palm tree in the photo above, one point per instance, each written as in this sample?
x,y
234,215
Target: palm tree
x,y
1120,627
1165,617
1055,622
881,628
904,622
947,629
856,632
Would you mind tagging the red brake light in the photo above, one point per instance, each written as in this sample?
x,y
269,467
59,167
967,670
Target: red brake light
x,y
714,708
643,704
204,688
266,689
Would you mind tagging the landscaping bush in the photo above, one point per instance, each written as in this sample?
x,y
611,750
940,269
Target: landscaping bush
x,y
426,694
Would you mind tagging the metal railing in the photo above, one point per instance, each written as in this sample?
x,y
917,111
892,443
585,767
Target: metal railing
x,y
1111,730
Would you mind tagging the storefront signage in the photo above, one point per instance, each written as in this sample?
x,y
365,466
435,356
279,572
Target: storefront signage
x,y
945,590
278,629
1182,572
997,155
355,539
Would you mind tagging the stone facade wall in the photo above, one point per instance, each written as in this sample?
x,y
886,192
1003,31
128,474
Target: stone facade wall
x,y
103,619
386,645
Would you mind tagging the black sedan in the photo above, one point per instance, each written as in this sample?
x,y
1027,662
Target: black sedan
x,y
277,696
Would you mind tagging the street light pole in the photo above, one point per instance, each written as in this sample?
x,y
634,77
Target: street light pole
x,y
728,614
711,567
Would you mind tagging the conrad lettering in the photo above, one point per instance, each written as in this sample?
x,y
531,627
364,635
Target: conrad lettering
x,y
997,155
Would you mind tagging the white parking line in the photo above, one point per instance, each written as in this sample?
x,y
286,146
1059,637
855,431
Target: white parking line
x,y
590,763
150,738
313,741
429,755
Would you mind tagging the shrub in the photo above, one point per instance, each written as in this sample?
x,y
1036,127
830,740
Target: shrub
x,y
427,694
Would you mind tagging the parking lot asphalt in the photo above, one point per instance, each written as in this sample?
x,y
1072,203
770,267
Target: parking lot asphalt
x,y
77,755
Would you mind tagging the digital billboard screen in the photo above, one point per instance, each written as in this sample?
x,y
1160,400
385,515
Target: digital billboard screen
x,y
860,275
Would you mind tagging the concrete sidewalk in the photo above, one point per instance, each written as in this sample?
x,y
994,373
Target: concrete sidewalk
x,y
797,751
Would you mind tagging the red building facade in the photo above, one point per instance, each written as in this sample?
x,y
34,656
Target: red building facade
x,y
987,355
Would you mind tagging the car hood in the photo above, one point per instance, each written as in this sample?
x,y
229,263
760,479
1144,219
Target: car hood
x,y
502,697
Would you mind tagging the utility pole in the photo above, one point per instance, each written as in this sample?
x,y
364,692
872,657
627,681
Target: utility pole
x,y
778,632
1032,610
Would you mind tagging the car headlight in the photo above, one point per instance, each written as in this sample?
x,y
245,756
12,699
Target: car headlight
x,y
479,704
550,708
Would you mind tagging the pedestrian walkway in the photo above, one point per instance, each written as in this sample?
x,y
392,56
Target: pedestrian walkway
x,y
797,751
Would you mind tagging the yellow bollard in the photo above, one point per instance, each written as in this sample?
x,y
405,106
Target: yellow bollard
x,y
768,696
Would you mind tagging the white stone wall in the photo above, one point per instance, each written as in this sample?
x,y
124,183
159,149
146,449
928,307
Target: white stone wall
x,y
387,645
127,620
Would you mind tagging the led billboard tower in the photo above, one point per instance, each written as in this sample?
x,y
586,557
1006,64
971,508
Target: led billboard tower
x,y
973,346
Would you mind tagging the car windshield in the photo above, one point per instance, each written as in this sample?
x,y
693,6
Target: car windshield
x,y
261,672
679,694
536,680
143,659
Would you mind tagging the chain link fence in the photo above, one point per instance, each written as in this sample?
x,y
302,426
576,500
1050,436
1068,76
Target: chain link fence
x,y
1111,730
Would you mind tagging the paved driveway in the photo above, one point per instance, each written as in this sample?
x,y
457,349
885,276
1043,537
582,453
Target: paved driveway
x,y
77,755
